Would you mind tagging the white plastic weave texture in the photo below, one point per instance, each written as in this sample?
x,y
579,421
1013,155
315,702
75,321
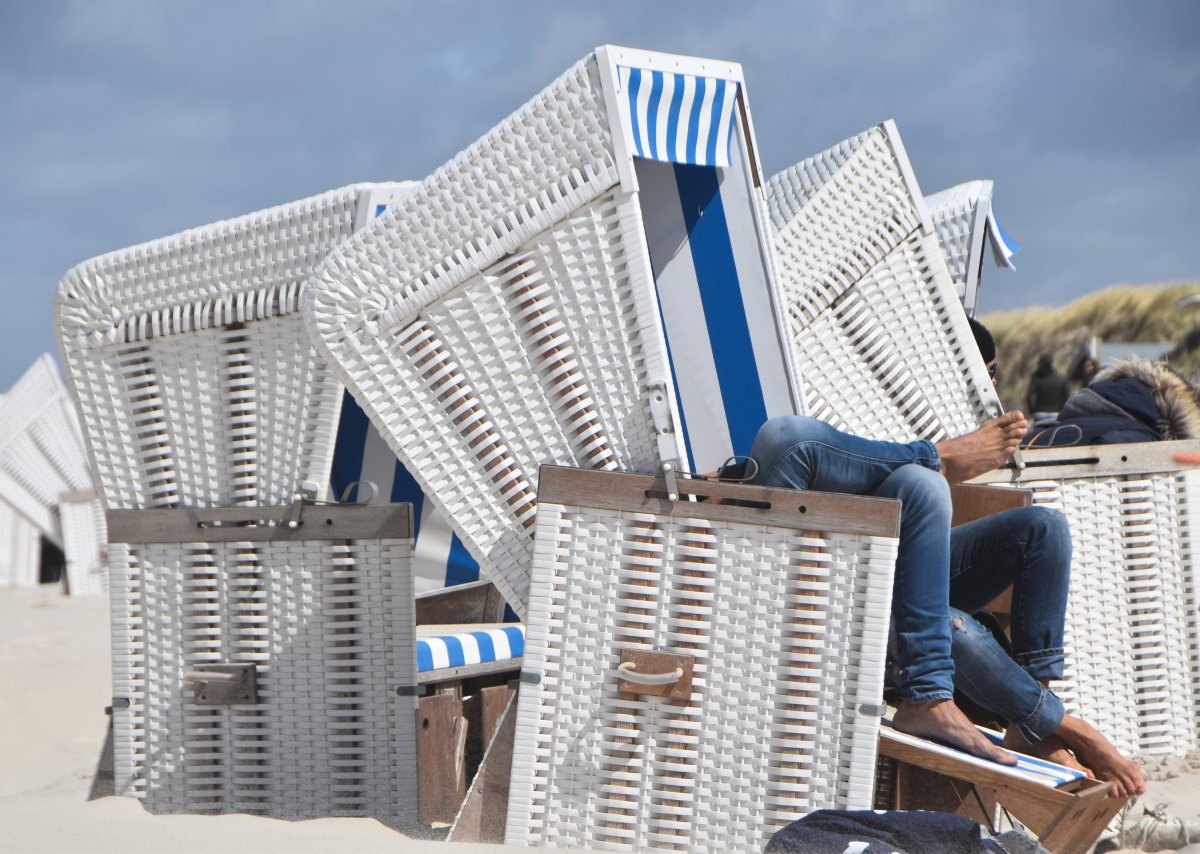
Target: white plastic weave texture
x,y
1132,654
329,626
196,382
502,316
787,624
876,330
85,541
959,216
20,548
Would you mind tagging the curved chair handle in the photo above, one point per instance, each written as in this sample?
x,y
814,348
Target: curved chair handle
x,y
627,670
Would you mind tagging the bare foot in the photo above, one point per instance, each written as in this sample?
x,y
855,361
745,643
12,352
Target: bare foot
x,y
992,445
1049,748
1098,754
942,721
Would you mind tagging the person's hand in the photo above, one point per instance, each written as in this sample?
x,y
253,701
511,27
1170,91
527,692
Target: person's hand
x,y
1188,458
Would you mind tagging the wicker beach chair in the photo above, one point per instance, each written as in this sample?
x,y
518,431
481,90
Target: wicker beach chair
x,y
257,654
1132,630
964,220
664,704
874,325
43,460
505,315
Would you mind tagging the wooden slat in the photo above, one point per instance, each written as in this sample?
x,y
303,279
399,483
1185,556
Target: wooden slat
x,y
470,671
813,511
441,735
477,602
1093,461
484,814
261,524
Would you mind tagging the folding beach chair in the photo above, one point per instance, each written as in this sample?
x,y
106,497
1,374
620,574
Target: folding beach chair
x,y
874,326
964,220
42,459
505,314
698,674
257,650
1132,628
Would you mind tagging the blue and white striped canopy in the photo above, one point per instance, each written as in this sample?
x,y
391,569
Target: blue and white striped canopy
x,y
679,118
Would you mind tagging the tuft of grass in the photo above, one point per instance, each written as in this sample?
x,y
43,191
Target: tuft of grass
x,y
1126,313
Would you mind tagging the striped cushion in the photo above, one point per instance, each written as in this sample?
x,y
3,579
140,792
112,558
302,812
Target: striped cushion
x,y
1044,773
440,646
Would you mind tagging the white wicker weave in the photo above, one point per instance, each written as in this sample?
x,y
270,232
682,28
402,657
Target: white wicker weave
x,y
20,548
504,314
196,382
85,539
327,624
42,458
962,216
785,612
1133,652
877,334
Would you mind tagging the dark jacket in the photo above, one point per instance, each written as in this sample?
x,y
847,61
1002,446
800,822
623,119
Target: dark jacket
x,y
1131,401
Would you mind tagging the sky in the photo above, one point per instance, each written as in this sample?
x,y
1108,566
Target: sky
x,y
126,120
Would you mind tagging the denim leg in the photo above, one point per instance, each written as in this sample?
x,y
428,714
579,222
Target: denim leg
x,y
803,453
1030,548
984,672
921,590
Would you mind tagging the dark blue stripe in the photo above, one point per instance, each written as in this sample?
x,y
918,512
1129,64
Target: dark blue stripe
x,y
487,648
635,83
510,616
406,488
656,87
460,566
424,657
721,297
714,124
673,117
348,447
694,121
516,641
380,209
454,651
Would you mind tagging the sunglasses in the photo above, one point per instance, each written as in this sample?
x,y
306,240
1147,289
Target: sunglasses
x,y
992,370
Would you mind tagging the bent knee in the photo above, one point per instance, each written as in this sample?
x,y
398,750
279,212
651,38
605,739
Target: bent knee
x,y
922,490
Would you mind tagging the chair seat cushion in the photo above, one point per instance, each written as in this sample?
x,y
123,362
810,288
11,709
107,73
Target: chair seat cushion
x,y
456,646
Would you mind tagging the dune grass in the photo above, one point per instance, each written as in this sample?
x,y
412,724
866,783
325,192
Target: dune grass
x,y
1142,313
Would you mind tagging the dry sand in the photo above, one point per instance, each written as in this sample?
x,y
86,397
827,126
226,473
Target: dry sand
x,y
54,685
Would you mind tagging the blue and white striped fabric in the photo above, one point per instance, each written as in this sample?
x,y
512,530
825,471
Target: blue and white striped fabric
x,y
1030,768
714,294
437,649
1003,246
360,454
679,118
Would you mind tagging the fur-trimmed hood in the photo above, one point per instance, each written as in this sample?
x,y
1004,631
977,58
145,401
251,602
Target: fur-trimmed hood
x,y
1175,397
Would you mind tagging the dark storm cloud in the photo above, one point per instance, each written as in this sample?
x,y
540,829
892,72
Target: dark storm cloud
x,y
124,121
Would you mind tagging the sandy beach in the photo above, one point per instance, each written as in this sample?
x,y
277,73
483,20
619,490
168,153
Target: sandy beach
x,y
54,667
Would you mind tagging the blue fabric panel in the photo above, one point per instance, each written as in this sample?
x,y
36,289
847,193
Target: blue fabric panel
x,y
725,314
424,658
348,449
516,641
487,649
454,650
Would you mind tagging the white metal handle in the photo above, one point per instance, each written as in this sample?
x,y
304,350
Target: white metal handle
x,y
197,676
627,671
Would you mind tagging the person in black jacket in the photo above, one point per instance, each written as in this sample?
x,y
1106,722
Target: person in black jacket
x,y
1048,390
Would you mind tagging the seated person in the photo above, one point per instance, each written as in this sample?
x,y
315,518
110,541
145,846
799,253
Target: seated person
x,y
943,575
1130,401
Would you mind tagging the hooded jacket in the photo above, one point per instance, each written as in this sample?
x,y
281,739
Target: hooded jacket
x,y
1131,401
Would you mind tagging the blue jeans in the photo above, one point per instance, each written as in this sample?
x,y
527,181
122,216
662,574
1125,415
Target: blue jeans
x,y
937,568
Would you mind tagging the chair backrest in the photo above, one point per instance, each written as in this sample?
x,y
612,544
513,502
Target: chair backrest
x,y
195,380
963,218
874,327
1132,627
42,458
504,315
770,609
